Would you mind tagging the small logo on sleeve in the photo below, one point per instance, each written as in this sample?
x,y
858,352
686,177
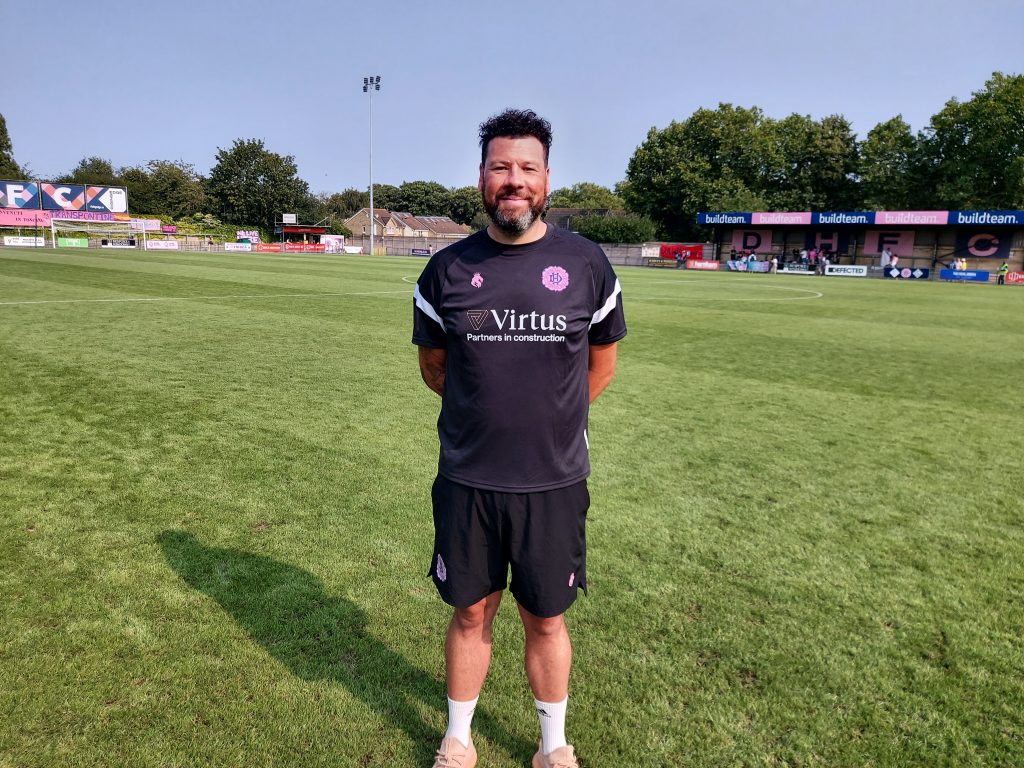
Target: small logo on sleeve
x,y
554,279
477,280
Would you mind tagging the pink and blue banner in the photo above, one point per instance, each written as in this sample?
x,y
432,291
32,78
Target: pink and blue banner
x,y
19,194
63,197
771,217
863,218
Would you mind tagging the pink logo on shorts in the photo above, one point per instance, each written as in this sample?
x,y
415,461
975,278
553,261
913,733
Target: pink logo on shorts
x,y
572,578
554,279
440,570
477,280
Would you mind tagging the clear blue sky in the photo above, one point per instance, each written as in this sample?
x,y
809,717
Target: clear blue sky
x,y
145,80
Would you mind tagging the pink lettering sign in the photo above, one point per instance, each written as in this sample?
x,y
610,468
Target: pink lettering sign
x,y
781,217
17,217
889,218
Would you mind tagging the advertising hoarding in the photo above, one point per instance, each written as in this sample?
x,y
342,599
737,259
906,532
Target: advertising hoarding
x,y
21,217
964,275
847,270
906,273
19,194
703,264
106,199
62,197
25,242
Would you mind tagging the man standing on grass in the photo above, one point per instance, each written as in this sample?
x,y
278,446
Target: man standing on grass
x,y
517,328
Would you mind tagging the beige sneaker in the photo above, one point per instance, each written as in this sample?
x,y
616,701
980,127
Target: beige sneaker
x,y
454,754
563,757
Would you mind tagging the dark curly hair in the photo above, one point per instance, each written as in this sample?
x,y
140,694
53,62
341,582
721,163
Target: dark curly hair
x,y
515,124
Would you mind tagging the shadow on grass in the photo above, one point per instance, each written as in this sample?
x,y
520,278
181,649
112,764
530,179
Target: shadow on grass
x,y
322,637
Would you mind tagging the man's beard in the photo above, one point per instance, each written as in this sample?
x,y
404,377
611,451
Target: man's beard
x,y
514,225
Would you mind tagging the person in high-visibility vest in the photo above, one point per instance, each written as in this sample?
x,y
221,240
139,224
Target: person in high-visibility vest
x,y
1002,274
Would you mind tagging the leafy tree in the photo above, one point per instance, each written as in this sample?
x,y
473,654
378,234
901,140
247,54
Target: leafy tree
x,y
480,221
91,170
586,195
890,168
385,196
178,189
973,151
8,168
812,165
625,228
465,205
422,198
715,160
343,204
734,158
251,185
141,199
332,211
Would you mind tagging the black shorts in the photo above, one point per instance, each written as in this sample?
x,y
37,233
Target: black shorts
x,y
479,535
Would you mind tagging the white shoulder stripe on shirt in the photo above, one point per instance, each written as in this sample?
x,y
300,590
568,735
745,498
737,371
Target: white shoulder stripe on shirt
x,y
425,307
609,305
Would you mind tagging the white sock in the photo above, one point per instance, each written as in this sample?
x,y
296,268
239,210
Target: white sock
x,y
552,724
460,717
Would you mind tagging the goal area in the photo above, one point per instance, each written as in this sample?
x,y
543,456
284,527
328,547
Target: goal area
x,y
74,233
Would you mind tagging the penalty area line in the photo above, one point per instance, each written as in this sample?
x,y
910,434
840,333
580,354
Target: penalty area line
x,y
201,298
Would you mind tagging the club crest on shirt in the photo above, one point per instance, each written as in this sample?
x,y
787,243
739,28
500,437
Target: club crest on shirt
x,y
477,280
554,278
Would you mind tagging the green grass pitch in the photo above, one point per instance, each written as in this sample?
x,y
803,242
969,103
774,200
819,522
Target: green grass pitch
x,y
806,542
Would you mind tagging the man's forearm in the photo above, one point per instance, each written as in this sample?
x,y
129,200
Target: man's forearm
x,y
601,368
432,368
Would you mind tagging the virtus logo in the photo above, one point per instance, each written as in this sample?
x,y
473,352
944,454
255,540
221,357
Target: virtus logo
x,y
476,317
513,320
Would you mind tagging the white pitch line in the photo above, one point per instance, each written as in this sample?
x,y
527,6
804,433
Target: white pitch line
x,y
200,298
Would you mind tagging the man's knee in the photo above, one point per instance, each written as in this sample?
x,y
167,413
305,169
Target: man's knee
x,y
536,626
478,616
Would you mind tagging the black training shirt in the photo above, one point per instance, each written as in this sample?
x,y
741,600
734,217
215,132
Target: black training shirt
x,y
517,322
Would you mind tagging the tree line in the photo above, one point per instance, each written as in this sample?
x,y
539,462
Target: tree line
x,y
970,156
